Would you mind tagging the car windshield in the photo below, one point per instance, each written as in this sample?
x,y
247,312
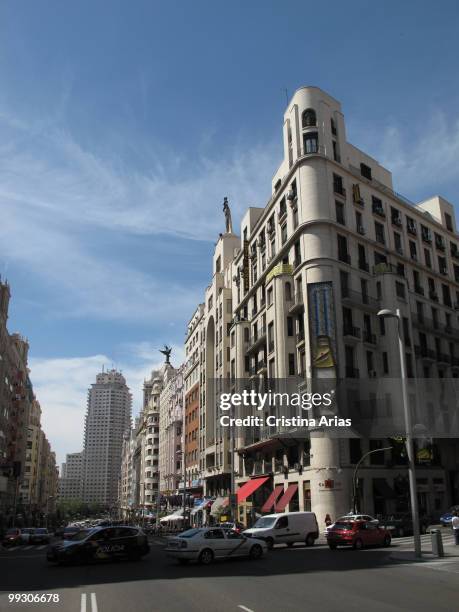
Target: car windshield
x,y
190,533
28,530
41,530
344,526
265,521
82,535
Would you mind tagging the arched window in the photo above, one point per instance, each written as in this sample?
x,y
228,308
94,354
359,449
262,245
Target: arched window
x,y
308,118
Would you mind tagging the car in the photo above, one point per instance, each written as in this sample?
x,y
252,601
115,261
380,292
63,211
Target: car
x,y
286,528
39,536
401,524
353,517
357,534
69,532
447,517
26,533
100,544
13,537
204,544
235,526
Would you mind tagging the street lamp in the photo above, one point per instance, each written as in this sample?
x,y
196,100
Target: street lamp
x,y
390,314
354,477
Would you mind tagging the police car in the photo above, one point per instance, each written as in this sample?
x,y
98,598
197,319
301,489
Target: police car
x,y
206,544
100,544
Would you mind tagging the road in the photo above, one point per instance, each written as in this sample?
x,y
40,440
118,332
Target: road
x,y
300,578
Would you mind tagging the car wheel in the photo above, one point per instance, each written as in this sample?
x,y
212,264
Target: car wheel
x,y
256,551
206,557
332,546
400,532
358,544
183,561
270,543
310,539
387,540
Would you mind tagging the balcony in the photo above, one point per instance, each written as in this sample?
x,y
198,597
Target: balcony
x,y
424,353
256,340
361,299
339,189
418,289
397,220
426,237
298,303
439,243
411,229
300,336
368,337
351,332
379,211
351,372
344,257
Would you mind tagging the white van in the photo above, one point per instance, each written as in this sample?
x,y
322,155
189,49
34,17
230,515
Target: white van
x,y
286,528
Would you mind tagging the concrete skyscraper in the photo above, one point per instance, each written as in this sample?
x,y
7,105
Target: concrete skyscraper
x,y
108,416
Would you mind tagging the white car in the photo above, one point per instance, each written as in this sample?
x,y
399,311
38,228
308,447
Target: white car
x,y
208,543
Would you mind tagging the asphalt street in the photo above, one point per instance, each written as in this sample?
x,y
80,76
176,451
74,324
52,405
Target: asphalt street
x,y
300,578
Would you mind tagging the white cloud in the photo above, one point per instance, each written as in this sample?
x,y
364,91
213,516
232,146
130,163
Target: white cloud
x,y
61,386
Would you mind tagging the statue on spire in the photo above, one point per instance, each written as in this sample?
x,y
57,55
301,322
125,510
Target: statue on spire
x,y
228,220
167,352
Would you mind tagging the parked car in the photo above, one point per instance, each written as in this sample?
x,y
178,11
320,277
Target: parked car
x,y
100,544
357,534
401,524
13,537
285,528
26,533
354,517
235,526
39,536
446,518
205,544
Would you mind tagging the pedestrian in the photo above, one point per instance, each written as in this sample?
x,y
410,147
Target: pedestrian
x,y
328,521
455,526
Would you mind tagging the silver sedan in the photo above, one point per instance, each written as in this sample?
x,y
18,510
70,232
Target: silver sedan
x,y
208,543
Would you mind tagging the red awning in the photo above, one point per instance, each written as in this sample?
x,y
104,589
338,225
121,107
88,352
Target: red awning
x,y
269,503
285,499
249,487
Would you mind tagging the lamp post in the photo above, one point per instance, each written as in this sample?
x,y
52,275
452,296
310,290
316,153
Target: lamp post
x,y
354,477
390,314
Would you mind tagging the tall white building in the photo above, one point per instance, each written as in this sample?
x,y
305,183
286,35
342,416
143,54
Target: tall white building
x,y
171,431
108,416
71,476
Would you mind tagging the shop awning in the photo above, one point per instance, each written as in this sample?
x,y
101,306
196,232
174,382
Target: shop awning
x,y
218,504
383,489
285,499
269,503
249,487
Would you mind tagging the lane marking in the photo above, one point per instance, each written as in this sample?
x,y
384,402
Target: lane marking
x,y
28,547
93,602
41,547
83,602
244,608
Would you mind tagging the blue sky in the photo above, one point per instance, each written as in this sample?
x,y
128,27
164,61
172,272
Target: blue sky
x,y
123,125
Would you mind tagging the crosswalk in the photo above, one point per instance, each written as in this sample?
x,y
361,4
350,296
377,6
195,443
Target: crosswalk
x,y
407,541
23,547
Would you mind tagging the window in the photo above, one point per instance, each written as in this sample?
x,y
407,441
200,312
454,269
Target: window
x,y
446,296
289,326
309,118
339,208
395,216
448,222
427,258
425,234
385,361
400,290
442,266
344,281
398,243
343,255
379,233
291,364
338,185
411,226
333,127
413,251
365,171
363,265
377,206
310,142
359,223
284,234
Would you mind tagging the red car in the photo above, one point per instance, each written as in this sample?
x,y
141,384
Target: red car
x,y
357,534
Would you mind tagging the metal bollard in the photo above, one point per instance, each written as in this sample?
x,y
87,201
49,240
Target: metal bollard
x,y
437,543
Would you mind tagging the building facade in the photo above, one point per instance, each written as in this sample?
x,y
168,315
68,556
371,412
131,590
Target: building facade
x,y
171,430
70,483
108,416
295,299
